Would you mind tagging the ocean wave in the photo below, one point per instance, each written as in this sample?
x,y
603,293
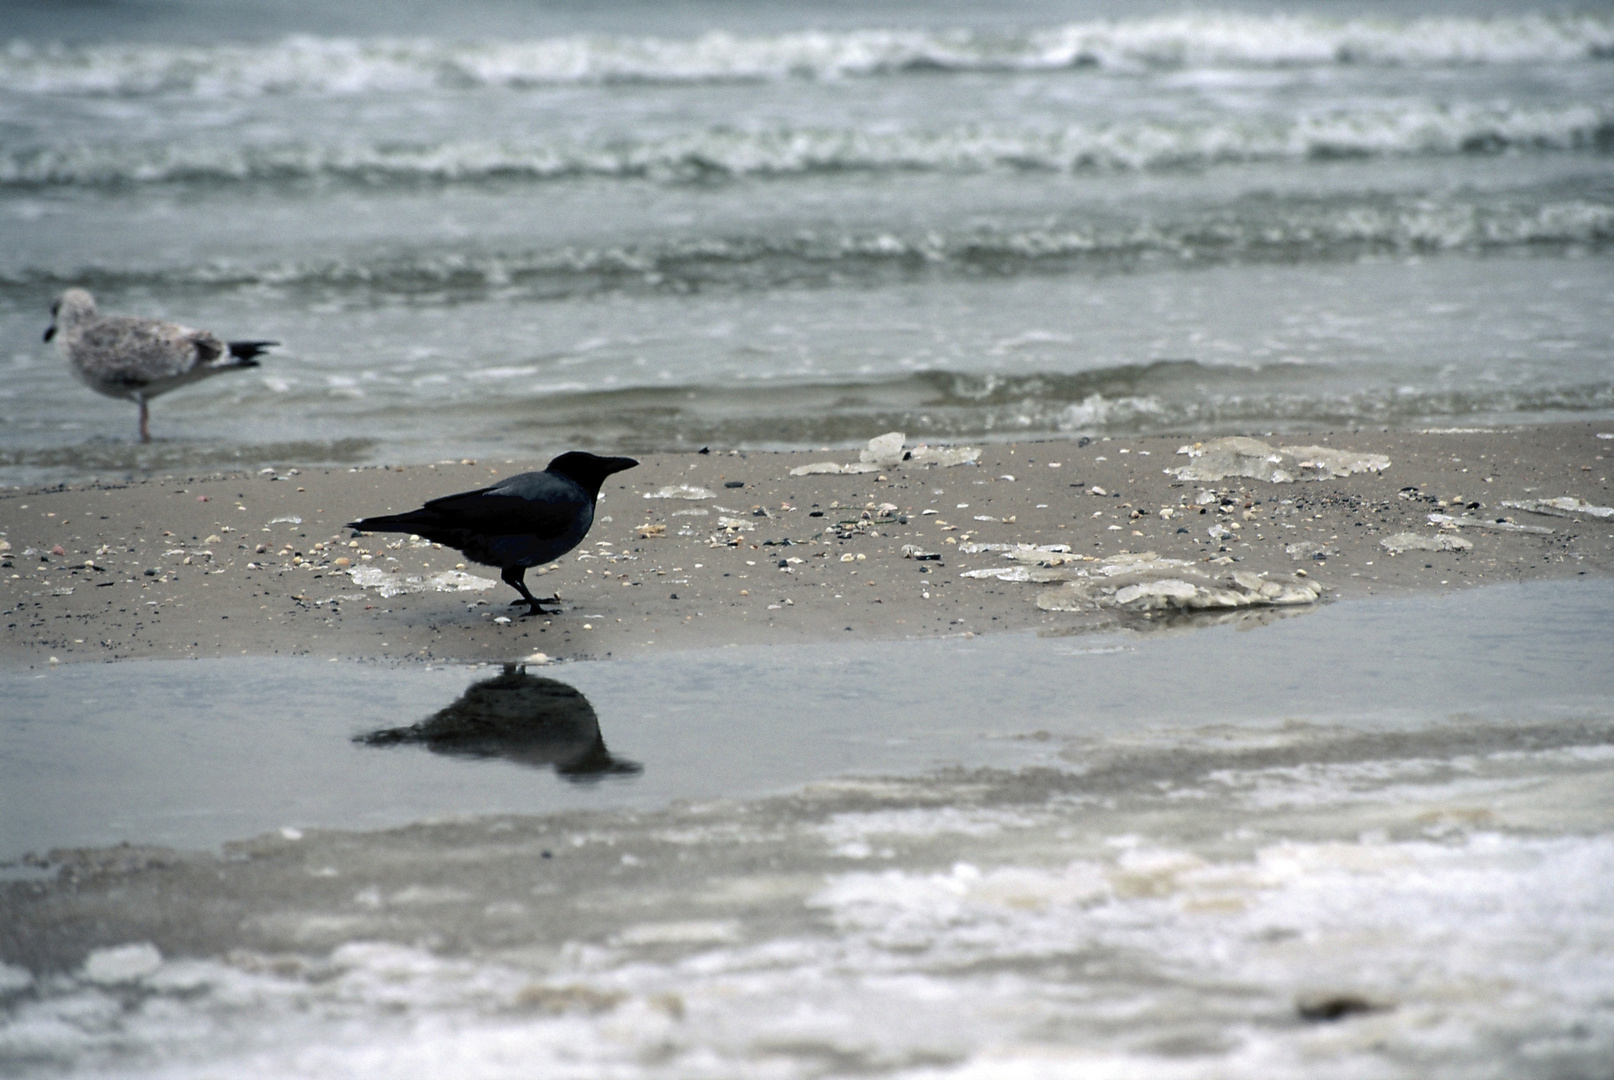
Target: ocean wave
x,y
1147,398
308,65
1254,231
717,155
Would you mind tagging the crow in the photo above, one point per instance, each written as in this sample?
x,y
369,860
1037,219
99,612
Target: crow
x,y
524,521
126,357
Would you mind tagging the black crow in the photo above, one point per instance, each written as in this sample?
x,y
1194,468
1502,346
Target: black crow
x,y
524,521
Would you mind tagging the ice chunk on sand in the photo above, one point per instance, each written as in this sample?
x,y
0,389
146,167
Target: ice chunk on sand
x,y
1410,541
1146,582
885,451
1239,455
1564,506
1469,522
680,491
946,456
388,583
832,468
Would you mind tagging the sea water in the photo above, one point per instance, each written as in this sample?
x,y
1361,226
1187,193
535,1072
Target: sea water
x,y
509,229
1375,840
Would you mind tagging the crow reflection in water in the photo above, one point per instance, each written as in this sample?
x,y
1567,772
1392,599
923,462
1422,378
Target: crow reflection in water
x,y
517,716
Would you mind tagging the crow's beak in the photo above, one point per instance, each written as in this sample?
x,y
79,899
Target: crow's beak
x,y
51,332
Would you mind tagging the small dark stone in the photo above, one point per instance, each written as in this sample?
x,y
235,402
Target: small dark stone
x,y
1334,1007
672,596
704,450
1083,441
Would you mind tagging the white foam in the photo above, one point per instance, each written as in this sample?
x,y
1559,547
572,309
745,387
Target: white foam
x,y
310,65
1413,128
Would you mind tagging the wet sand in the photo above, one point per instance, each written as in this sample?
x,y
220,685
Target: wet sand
x,y
229,565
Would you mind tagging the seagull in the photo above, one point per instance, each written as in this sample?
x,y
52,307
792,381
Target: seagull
x,y
126,357
521,522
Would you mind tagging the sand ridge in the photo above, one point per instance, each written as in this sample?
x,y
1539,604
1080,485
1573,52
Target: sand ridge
x,y
261,564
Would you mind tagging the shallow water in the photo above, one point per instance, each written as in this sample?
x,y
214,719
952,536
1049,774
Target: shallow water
x,y
1004,856
637,227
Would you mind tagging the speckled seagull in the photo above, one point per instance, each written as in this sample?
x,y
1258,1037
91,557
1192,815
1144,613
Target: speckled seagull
x,y
126,357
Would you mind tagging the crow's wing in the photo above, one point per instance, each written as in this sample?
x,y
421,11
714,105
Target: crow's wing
x,y
536,503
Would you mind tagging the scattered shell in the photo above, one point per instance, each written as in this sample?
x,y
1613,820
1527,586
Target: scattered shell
x,y
651,530
914,551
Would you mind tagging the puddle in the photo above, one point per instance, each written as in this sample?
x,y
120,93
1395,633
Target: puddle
x,y
1375,840
520,717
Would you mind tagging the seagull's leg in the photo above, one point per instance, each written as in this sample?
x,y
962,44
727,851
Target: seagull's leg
x,y
515,576
145,419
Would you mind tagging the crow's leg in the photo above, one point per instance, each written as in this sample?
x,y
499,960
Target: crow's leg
x,y
515,576
145,419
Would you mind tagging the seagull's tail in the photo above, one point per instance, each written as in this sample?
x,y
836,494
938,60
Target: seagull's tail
x,y
244,351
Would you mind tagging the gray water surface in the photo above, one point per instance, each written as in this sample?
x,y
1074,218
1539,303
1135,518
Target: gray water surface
x,y
190,754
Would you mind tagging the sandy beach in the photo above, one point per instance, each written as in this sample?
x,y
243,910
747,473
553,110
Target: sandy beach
x,y
229,565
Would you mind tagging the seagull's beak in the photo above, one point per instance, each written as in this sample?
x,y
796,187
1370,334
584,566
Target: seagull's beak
x,y
50,333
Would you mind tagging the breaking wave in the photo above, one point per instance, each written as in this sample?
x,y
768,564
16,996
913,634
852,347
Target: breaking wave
x,y
1256,231
720,154
306,65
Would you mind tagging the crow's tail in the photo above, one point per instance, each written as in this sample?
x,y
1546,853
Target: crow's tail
x,y
409,523
244,351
